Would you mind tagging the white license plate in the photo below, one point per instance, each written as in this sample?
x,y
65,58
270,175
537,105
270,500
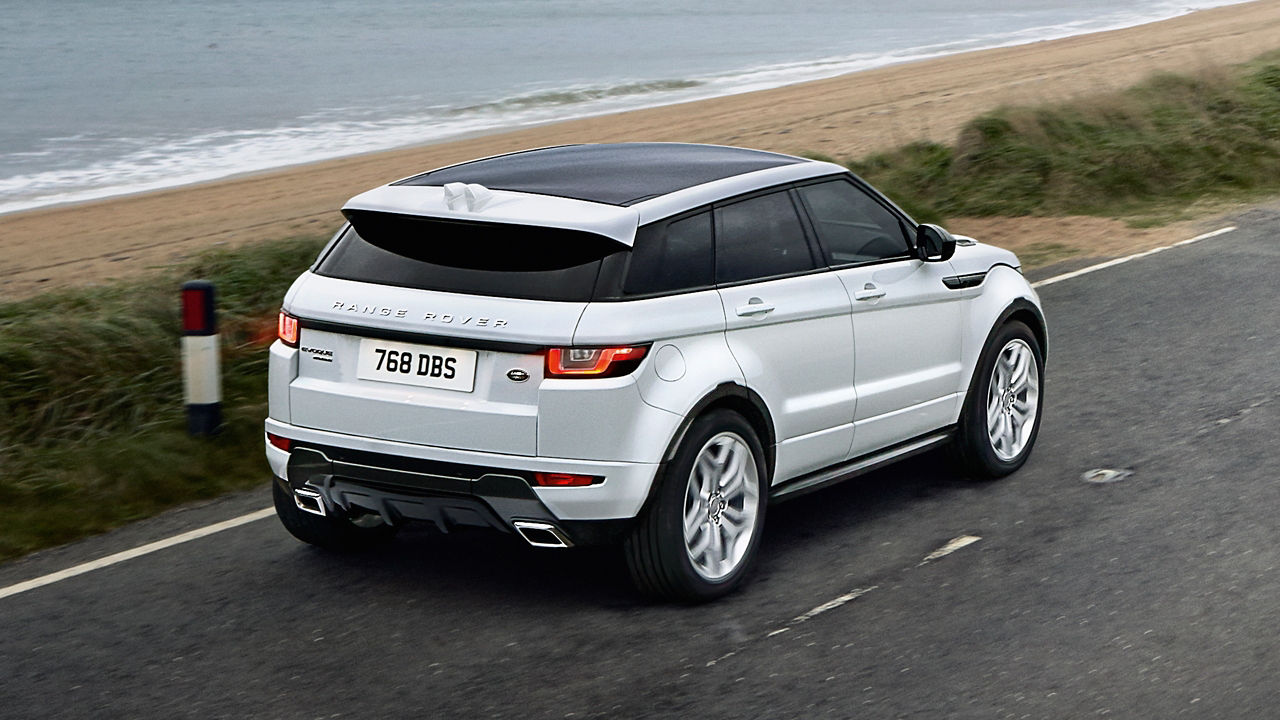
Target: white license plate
x,y
421,365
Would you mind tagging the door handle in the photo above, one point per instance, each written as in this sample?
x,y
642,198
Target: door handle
x,y
868,292
754,306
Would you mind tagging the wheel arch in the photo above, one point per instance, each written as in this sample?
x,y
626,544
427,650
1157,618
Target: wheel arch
x,y
1026,312
1019,310
739,399
727,396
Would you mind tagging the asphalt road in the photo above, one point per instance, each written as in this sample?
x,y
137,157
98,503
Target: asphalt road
x,y
1152,597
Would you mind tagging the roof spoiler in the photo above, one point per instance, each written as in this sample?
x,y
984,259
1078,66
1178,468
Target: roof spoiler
x,y
476,203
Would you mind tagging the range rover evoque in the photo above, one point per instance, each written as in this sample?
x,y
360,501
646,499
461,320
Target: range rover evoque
x,y
638,343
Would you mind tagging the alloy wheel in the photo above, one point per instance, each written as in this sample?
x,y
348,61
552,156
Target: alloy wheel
x,y
721,505
1013,398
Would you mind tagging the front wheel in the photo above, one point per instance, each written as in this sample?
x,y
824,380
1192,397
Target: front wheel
x,y
1001,415
699,536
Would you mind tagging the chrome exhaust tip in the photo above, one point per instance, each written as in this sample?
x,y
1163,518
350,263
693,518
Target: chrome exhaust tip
x,y
309,501
541,534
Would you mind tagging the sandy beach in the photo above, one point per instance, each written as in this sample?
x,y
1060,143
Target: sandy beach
x,y
844,117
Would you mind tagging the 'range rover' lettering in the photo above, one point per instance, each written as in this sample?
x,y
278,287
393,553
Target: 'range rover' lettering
x,y
377,310
469,320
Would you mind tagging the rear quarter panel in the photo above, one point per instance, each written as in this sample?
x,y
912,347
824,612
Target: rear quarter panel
x,y
687,359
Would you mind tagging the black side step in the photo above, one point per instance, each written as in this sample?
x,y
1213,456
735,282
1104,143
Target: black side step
x,y
796,487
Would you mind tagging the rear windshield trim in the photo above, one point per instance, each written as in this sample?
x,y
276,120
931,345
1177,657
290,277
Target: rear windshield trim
x,y
421,338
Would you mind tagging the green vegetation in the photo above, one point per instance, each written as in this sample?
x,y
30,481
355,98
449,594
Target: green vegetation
x,y
1039,254
92,426
1143,154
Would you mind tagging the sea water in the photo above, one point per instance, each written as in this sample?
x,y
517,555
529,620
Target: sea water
x,y
104,97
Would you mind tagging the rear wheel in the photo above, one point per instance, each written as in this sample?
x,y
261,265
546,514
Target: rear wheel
x,y
1001,416
699,536
328,531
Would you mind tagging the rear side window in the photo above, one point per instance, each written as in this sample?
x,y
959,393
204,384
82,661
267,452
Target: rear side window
x,y
760,237
673,256
517,261
852,227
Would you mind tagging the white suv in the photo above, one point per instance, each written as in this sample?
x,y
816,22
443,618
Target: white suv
x,y
638,343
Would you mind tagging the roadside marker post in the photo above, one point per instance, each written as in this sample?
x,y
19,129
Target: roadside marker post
x,y
201,350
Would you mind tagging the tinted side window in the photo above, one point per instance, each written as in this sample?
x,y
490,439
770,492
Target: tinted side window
x,y
671,256
852,227
758,238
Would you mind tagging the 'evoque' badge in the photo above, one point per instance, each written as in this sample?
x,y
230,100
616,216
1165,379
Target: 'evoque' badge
x,y
517,375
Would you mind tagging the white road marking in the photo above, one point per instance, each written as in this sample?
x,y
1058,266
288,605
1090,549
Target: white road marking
x,y
726,656
824,607
832,604
952,546
1206,236
1103,476
135,552
1127,258
266,512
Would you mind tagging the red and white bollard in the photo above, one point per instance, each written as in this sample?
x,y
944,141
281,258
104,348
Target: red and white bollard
x,y
201,351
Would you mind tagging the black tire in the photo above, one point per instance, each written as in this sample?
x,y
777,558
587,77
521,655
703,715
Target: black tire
x,y
973,449
330,531
658,556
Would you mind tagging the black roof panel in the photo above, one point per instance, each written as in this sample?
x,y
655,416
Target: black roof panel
x,y
615,174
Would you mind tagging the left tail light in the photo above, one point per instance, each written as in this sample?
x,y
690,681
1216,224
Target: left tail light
x,y
287,329
594,362
555,479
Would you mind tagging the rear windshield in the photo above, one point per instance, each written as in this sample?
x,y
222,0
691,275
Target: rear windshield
x,y
517,261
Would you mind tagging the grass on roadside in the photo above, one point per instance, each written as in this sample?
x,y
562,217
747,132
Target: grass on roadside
x,y
92,425
1144,154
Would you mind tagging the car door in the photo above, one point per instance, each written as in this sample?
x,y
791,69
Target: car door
x,y
787,325
906,323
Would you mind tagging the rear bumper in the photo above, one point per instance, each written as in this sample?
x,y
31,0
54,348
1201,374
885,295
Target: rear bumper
x,y
451,487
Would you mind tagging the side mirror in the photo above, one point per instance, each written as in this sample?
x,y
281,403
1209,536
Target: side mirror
x,y
934,244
